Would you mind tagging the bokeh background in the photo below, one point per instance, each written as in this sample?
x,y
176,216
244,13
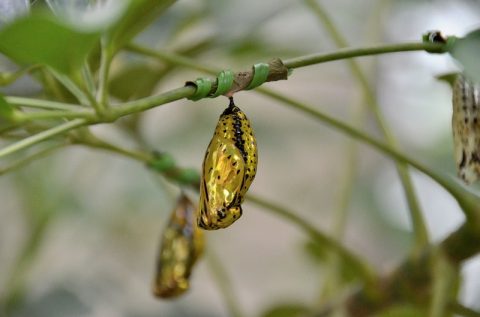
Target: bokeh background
x,y
95,254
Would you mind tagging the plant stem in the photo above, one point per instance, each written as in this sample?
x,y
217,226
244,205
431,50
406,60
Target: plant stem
x,y
349,258
26,160
418,223
70,85
444,281
171,58
42,136
466,201
21,117
345,53
93,141
42,104
153,101
224,284
88,78
102,93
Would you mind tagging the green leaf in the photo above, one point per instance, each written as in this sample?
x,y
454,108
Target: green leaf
x,y
320,254
41,39
135,81
466,50
138,15
287,310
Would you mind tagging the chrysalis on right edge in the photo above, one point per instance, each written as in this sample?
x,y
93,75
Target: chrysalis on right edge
x,y
466,128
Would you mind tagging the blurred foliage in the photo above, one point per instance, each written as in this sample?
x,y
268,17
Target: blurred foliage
x,y
41,39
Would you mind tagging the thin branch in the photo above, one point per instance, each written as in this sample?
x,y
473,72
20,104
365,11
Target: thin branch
x,y
418,223
445,277
153,101
81,96
93,141
467,201
29,159
88,78
42,104
349,258
42,136
224,284
102,93
345,53
22,117
171,58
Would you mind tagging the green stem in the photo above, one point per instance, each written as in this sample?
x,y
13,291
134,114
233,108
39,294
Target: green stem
x,y
153,101
102,93
88,138
444,277
21,117
42,104
466,201
346,53
33,157
349,258
88,78
72,87
42,136
462,310
171,58
224,284
418,223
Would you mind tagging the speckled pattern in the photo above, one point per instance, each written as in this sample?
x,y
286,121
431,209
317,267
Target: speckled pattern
x,y
182,244
229,168
466,128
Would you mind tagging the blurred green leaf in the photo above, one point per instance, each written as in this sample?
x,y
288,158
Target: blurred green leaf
x,y
41,39
287,310
466,50
138,15
320,254
135,81
316,251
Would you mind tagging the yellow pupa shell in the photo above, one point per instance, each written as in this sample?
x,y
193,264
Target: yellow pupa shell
x,y
181,245
229,167
466,128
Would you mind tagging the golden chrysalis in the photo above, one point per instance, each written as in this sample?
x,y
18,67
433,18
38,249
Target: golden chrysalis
x,y
466,128
181,245
229,167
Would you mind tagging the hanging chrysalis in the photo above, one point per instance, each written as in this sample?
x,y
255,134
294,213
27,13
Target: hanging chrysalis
x,y
229,168
182,244
466,128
